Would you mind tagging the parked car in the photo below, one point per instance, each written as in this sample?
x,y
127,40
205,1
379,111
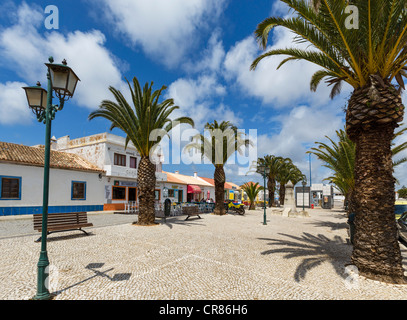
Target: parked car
x,y
402,226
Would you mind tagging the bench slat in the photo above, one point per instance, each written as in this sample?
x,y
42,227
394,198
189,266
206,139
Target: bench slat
x,y
68,227
62,221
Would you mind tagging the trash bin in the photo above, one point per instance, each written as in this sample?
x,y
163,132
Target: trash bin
x,y
312,206
167,208
351,222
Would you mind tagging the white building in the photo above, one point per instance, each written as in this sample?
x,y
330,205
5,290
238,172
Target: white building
x,y
75,184
107,151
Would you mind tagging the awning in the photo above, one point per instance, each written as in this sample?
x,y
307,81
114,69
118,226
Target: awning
x,y
193,189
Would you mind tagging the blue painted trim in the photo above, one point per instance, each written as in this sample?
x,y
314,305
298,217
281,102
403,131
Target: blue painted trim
x,y
74,199
13,211
19,187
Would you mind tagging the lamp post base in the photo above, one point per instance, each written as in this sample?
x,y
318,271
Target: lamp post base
x,y
43,278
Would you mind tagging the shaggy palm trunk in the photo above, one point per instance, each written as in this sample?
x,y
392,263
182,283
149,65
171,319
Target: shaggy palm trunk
x,y
371,118
146,185
271,186
220,179
252,205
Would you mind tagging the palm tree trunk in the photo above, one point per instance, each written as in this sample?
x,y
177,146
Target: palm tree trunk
x,y
371,118
376,249
271,186
252,205
146,185
282,193
220,179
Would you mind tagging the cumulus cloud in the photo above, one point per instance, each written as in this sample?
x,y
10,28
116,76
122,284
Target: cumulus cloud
x,y
24,48
197,99
165,30
288,86
13,104
300,129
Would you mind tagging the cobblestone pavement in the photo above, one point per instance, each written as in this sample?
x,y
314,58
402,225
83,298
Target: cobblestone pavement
x,y
216,257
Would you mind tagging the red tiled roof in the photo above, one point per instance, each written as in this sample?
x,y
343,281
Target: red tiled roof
x,y
227,185
20,154
172,179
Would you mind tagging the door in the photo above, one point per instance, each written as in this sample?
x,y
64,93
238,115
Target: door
x,y
132,194
180,195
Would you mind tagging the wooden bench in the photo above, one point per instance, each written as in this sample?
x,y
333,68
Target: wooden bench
x,y
58,222
191,211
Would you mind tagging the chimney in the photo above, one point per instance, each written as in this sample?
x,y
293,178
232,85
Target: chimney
x,y
53,143
177,172
195,174
62,143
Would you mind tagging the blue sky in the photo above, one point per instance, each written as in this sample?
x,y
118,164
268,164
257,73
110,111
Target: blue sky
x,y
200,49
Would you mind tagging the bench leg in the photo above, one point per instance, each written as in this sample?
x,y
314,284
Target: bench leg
x,y
194,215
84,231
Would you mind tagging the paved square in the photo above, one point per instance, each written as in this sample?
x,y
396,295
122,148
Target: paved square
x,y
216,257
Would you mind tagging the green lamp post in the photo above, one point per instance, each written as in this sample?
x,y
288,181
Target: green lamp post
x,y
61,80
264,171
304,183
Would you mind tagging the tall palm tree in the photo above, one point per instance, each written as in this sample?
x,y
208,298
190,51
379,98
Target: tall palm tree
x,y
288,171
372,59
140,122
273,163
252,190
222,140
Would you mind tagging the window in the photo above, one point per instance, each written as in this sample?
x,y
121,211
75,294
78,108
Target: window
x,y
171,193
10,188
157,195
133,162
120,159
119,193
78,190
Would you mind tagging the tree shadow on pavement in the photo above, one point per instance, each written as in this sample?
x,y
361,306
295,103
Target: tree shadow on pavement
x,y
315,250
332,225
171,221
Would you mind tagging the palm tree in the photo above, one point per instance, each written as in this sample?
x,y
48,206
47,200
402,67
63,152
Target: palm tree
x,y
252,190
372,59
140,122
273,163
288,171
223,140
340,158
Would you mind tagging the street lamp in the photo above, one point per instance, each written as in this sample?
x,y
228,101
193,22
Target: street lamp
x,y
304,183
264,171
62,80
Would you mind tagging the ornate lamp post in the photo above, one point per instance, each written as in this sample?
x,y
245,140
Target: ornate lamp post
x,y
264,171
62,80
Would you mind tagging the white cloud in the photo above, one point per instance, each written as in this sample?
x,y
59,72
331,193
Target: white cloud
x,y
195,97
25,49
211,57
165,30
300,129
288,86
13,104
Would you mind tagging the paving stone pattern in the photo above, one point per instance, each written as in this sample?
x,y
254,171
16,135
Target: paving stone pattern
x,y
216,257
